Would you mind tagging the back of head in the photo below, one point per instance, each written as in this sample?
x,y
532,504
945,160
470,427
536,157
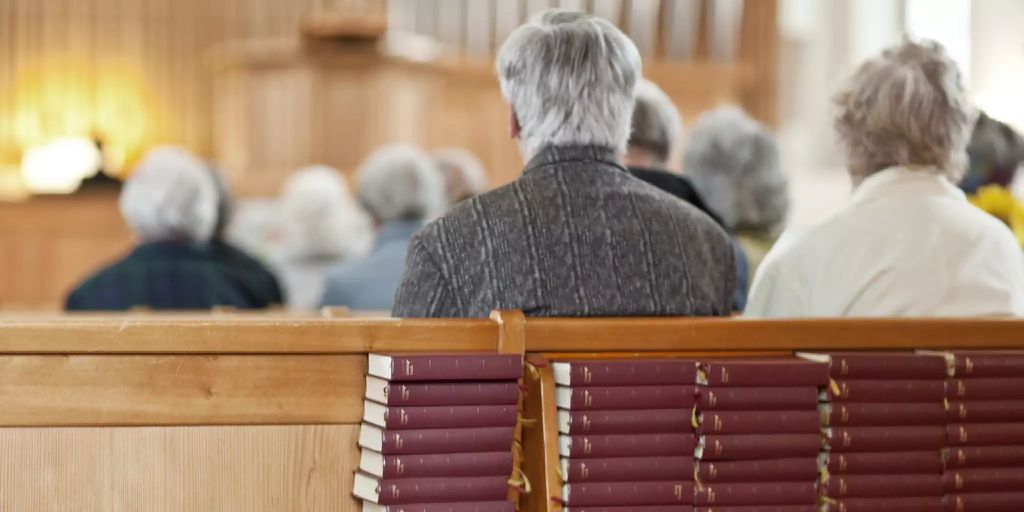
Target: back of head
x,y
570,78
734,162
400,183
463,173
170,196
321,219
995,150
657,126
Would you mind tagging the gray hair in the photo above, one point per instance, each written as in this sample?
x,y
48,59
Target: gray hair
x,y
321,218
463,173
657,126
905,107
400,182
734,162
570,79
170,195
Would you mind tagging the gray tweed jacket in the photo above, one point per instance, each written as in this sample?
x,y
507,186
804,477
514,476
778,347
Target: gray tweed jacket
x,y
575,235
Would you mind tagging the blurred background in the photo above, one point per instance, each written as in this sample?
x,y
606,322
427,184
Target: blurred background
x,y
261,88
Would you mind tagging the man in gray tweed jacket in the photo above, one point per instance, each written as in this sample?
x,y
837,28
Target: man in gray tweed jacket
x,y
575,235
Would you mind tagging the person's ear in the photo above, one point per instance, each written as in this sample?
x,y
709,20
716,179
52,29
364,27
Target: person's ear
x,y
513,121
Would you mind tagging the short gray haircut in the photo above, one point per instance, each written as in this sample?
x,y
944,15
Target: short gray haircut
x,y
170,195
321,219
570,78
400,182
657,126
734,162
463,173
905,107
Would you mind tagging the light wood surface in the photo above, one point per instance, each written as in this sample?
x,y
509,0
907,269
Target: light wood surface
x,y
540,440
179,469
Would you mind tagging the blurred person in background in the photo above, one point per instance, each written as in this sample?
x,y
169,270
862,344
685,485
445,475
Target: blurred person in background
x,y
170,204
323,226
909,243
464,174
996,152
401,188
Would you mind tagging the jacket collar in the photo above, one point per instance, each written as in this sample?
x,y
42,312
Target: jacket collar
x,y
552,155
901,180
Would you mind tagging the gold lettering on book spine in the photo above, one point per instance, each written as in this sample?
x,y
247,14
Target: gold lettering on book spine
x,y
677,491
961,457
968,366
404,393
399,442
961,411
396,493
847,439
843,488
403,417
587,399
958,481
725,375
587,375
844,414
718,447
712,399
959,504
712,471
586,424
409,370
587,447
584,471
399,466
718,423
844,367
842,463
961,388
962,434
709,495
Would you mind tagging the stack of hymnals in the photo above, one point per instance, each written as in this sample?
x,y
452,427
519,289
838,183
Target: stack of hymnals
x,y
883,417
984,456
438,433
759,435
626,440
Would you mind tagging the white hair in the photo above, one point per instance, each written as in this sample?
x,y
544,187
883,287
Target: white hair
x,y
905,107
400,182
570,79
463,173
657,126
170,195
734,162
321,218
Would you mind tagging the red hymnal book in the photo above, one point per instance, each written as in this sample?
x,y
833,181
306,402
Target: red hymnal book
x,y
445,367
920,504
650,421
627,493
761,372
485,506
988,364
1002,411
625,397
880,365
757,399
881,486
638,445
443,416
984,480
774,493
985,389
435,440
985,502
759,422
757,446
760,508
984,434
771,470
628,469
984,456
434,465
441,393
881,439
627,372
882,414
894,463
648,508
886,391
429,490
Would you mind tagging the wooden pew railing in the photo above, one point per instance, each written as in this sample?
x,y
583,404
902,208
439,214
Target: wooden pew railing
x,y
240,412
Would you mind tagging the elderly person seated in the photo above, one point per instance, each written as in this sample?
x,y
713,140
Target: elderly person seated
x,y
575,234
464,175
323,226
909,244
734,162
170,203
401,188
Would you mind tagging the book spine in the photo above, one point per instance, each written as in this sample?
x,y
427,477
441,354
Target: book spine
x,y
894,463
762,508
979,365
459,416
880,439
921,504
645,445
468,393
456,367
985,389
631,397
983,480
628,493
637,372
901,391
651,421
893,366
626,469
757,399
882,414
1003,411
756,446
759,422
984,457
442,490
471,440
448,465
772,470
793,372
985,434
984,502
775,493
881,486
475,506
649,508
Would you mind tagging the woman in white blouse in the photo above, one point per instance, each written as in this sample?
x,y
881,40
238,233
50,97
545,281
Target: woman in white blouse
x,y
909,244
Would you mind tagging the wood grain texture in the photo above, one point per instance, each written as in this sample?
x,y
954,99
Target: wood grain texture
x,y
244,469
540,441
54,390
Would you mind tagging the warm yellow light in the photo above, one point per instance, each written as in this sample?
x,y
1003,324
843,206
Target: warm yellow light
x,y
60,166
